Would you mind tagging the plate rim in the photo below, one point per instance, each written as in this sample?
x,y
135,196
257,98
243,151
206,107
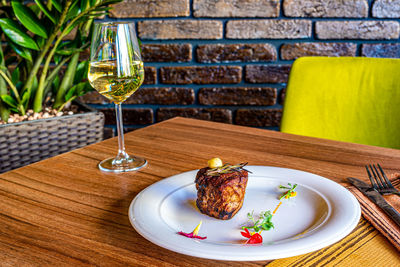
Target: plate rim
x,y
252,253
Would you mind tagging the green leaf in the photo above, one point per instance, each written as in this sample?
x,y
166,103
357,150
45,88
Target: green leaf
x,y
25,98
84,89
76,23
9,100
19,85
26,16
56,82
70,93
16,34
68,51
46,11
100,10
35,9
57,58
81,71
34,86
109,2
4,112
15,110
15,76
40,42
85,4
73,10
2,62
57,5
21,51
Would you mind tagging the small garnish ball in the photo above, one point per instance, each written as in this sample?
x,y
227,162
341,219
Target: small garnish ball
x,y
214,163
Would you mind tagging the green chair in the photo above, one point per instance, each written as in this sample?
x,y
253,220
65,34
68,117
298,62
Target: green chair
x,y
349,99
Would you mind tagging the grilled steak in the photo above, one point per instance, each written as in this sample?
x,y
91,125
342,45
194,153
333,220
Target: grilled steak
x,y
220,196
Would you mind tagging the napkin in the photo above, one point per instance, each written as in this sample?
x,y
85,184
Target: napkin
x,y
376,216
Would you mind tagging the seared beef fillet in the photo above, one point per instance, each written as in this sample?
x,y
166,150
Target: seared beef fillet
x,y
220,196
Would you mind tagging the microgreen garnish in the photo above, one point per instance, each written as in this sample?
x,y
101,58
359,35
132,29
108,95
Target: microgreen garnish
x,y
262,223
290,193
227,168
264,219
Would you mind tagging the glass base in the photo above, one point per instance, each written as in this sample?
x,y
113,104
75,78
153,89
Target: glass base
x,y
132,164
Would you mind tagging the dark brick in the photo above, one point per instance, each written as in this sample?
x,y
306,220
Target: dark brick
x,y
257,96
282,95
357,29
129,129
150,75
162,96
108,133
267,73
381,50
386,9
295,50
268,29
201,75
93,97
167,52
211,114
236,8
235,52
180,29
109,116
326,9
150,9
259,117
130,115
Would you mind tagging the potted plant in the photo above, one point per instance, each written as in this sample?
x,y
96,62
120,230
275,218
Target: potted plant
x,y
41,73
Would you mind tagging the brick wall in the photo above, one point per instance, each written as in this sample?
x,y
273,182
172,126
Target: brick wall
x,y
229,60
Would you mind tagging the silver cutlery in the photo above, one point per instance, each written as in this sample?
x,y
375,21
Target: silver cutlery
x,y
376,197
380,181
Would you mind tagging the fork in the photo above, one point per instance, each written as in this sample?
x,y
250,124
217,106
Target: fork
x,y
379,181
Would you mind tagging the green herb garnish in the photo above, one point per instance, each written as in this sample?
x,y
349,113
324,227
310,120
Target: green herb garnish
x,y
290,193
262,223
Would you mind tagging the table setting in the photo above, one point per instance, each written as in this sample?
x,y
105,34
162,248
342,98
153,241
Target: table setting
x,y
380,209
89,213
198,192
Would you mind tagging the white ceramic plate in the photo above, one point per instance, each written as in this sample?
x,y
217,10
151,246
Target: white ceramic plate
x,y
322,213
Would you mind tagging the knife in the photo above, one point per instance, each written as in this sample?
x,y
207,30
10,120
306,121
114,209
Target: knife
x,y
376,197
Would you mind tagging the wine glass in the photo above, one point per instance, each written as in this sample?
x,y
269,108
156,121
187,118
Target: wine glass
x,y
116,72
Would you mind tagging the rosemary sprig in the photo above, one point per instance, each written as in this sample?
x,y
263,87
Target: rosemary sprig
x,y
227,168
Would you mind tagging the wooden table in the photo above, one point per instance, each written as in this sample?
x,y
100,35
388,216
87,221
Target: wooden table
x,y
64,211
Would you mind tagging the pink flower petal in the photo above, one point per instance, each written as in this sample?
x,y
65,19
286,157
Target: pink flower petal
x,y
190,235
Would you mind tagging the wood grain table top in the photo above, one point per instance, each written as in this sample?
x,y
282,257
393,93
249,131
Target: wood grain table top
x,y
64,211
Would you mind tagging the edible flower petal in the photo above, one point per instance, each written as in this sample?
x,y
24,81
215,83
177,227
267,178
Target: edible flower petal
x,y
246,233
194,233
253,238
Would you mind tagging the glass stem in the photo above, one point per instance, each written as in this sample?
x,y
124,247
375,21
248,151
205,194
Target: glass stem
x,y
122,155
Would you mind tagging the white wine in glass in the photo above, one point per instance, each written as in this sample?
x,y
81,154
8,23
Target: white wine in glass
x,y
116,72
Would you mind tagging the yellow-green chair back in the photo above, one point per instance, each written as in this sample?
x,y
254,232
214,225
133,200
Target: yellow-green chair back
x,y
348,99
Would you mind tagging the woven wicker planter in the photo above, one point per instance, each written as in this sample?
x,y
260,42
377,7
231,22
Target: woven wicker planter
x,y
30,141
